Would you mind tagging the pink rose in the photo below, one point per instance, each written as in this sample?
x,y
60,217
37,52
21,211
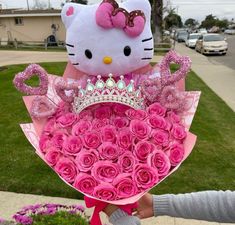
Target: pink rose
x,y
178,132
109,151
160,137
125,138
66,120
156,108
81,127
85,183
143,149
145,176
58,139
127,162
160,161
173,118
134,114
120,109
66,169
50,127
105,191
140,129
97,124
120,122
86,159
86,115
72,145
108,134
62,109
52,156
176,154
103,112
124,185
92,139
44,143
105,171
156,121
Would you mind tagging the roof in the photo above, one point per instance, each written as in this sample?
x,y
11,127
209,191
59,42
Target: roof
x,y
29,13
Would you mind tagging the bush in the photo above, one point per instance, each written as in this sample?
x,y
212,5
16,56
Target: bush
x,y
51,214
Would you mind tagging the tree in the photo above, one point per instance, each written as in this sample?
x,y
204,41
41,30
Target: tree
x,y
222,23
209,22
172,20
190,22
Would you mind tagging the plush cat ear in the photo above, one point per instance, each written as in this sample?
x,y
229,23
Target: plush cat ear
x,y
142,5
69,12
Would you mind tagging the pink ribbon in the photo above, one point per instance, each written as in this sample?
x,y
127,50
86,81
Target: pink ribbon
x,y
100,206
109,15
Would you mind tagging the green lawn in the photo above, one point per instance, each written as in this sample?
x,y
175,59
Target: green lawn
x,y
210,166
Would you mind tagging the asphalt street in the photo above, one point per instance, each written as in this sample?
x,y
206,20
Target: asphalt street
x,y
228,59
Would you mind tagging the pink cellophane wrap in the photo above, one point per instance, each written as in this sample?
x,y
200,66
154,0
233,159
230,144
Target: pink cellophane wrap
x,y
33,130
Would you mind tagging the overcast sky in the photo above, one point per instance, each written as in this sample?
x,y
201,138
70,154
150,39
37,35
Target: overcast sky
x,y
197,9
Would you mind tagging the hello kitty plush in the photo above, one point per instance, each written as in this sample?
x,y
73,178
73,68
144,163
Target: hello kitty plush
x,y
109,38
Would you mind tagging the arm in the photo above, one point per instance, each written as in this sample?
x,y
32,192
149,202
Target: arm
x,y
215,206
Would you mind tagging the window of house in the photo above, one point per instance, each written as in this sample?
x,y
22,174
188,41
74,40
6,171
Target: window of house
x,y
19,21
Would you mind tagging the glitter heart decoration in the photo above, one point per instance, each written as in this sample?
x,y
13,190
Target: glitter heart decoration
x,y
30,71
169,78
151,89
42,108
66,90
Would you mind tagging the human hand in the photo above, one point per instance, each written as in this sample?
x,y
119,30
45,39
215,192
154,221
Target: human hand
x,y
145,207
110,209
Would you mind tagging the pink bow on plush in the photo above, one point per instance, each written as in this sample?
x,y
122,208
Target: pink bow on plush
x,y
99,206
109,15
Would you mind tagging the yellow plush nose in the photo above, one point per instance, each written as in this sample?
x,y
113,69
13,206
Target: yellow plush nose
x,y
107,60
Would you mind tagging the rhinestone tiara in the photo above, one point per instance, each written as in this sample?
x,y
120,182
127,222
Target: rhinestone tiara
x,y
108,91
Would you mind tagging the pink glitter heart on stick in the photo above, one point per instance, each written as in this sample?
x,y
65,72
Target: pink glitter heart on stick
x,y
172,57
42,108
151,89
62,87
30,71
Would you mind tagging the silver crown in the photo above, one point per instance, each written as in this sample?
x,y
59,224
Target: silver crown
x,y
109,91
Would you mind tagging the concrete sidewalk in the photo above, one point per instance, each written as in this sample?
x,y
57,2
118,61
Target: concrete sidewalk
x,y
10,203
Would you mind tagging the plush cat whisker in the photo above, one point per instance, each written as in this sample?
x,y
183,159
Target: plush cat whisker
x,y
148,49
69,45
71,54
75,64
146,58
147,39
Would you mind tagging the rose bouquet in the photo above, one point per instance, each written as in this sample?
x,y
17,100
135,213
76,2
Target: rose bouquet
x,y
111,151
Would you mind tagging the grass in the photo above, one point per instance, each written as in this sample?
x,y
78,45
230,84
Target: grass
x,y
210,166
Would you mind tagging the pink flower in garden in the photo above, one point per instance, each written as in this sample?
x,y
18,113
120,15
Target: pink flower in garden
x,y
105,191
52,156
145,176
81,127
105,171
160,161
127,162
92,139
140,129
59,138
178,132
108,133
156,121
124,185
97,124
125,138
143,149
85,183
103,112
156,108
86,159
134,114
109,151
66,169
67,120
72,145
176,154
120,122
160,137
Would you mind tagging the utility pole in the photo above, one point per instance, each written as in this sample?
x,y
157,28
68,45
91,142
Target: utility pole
x,y
49,4
27,4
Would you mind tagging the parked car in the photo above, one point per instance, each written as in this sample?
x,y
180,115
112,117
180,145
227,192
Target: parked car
x,y
182,36
212,44
192,39
230,31
202,31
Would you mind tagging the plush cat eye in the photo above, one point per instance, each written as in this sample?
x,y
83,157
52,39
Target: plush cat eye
x,y
88,54
127,51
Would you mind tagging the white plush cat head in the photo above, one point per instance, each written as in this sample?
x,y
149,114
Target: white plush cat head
x,y
109,38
